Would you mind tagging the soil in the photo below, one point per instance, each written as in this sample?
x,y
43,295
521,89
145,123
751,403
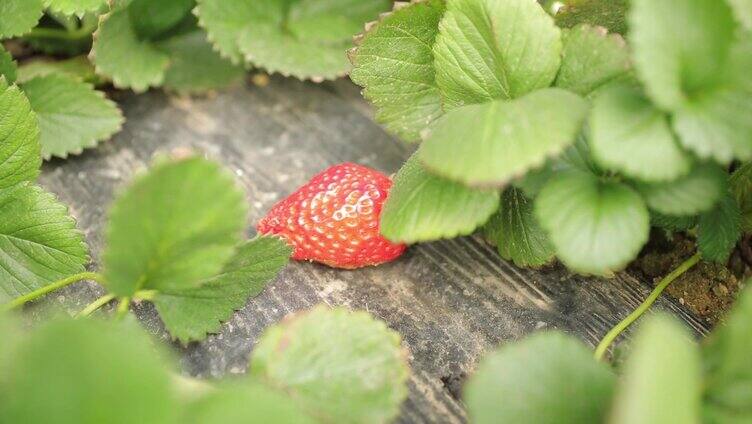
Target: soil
x,y
708,289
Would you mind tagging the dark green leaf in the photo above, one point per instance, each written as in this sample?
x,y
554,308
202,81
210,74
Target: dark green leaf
x,y
719,230
610,14
672,223
19,138
152,18
741,188
696,192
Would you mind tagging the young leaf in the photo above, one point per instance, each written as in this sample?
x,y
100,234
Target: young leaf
x,y
628,134
596,226
39,243
492,143
7,66
696,192
610,14
546,378
394,65
591,58
719,230
75,7
72,115
173,228
19,138
673,61
17,17
87,372
741,188
338,365
516,232
78,68
190,313
479,53
661,377
422,206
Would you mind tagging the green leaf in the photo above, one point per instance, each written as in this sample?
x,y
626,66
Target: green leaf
x,y
190,313
120,55
39,242
223,20
696,192
87,372
672,223
596,226
728,373
547,378
610,14
173,228
7,65
629,135
661,383
153,18
516,233
741,188
394,65
340,366
72,115
17,17
719,230
422,206
195,66
78,68
743,11
19,138
75,7
479,50
680,46
492,143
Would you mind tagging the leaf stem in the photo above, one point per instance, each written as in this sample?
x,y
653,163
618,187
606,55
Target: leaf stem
x,y
93,306
20,301
631,318
122,309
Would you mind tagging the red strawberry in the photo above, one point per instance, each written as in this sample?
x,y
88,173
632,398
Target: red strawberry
x,y
334,218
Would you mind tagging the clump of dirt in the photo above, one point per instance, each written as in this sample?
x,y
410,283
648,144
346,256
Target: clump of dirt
x,y
708,289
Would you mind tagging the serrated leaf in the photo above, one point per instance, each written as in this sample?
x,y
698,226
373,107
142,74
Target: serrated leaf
x,y
151,18
17,17
19,138
494,142
87,372
591,58
189,314
610,14
75,7
195,66
596,226
72,115
394,65
672,223
546,378
422,206
7,65
39,242
223,20
662,382
173,228
118,54
672,61
78,68
696,192
719,230
741,188
479,53
516,233
628,134
338,365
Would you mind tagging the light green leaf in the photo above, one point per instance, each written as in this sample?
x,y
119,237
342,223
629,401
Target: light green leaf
x,y
597,227
610,14
719,230
661,383
680,46
151,19
189,314
173,228
696,192
743,11
78,68
422,206
19,138
546,378
7,65
394,65
741,188
75,7
195,66
39,242
494,49
118,54
340,366
728,372
591,58
627,134
495,142
87,372
72,115
17,17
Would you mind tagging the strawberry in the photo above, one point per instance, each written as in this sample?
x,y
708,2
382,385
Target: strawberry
x,y
334,218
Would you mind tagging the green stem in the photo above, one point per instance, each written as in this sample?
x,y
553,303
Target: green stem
x,y
122,309
631,318
20,301
93,306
